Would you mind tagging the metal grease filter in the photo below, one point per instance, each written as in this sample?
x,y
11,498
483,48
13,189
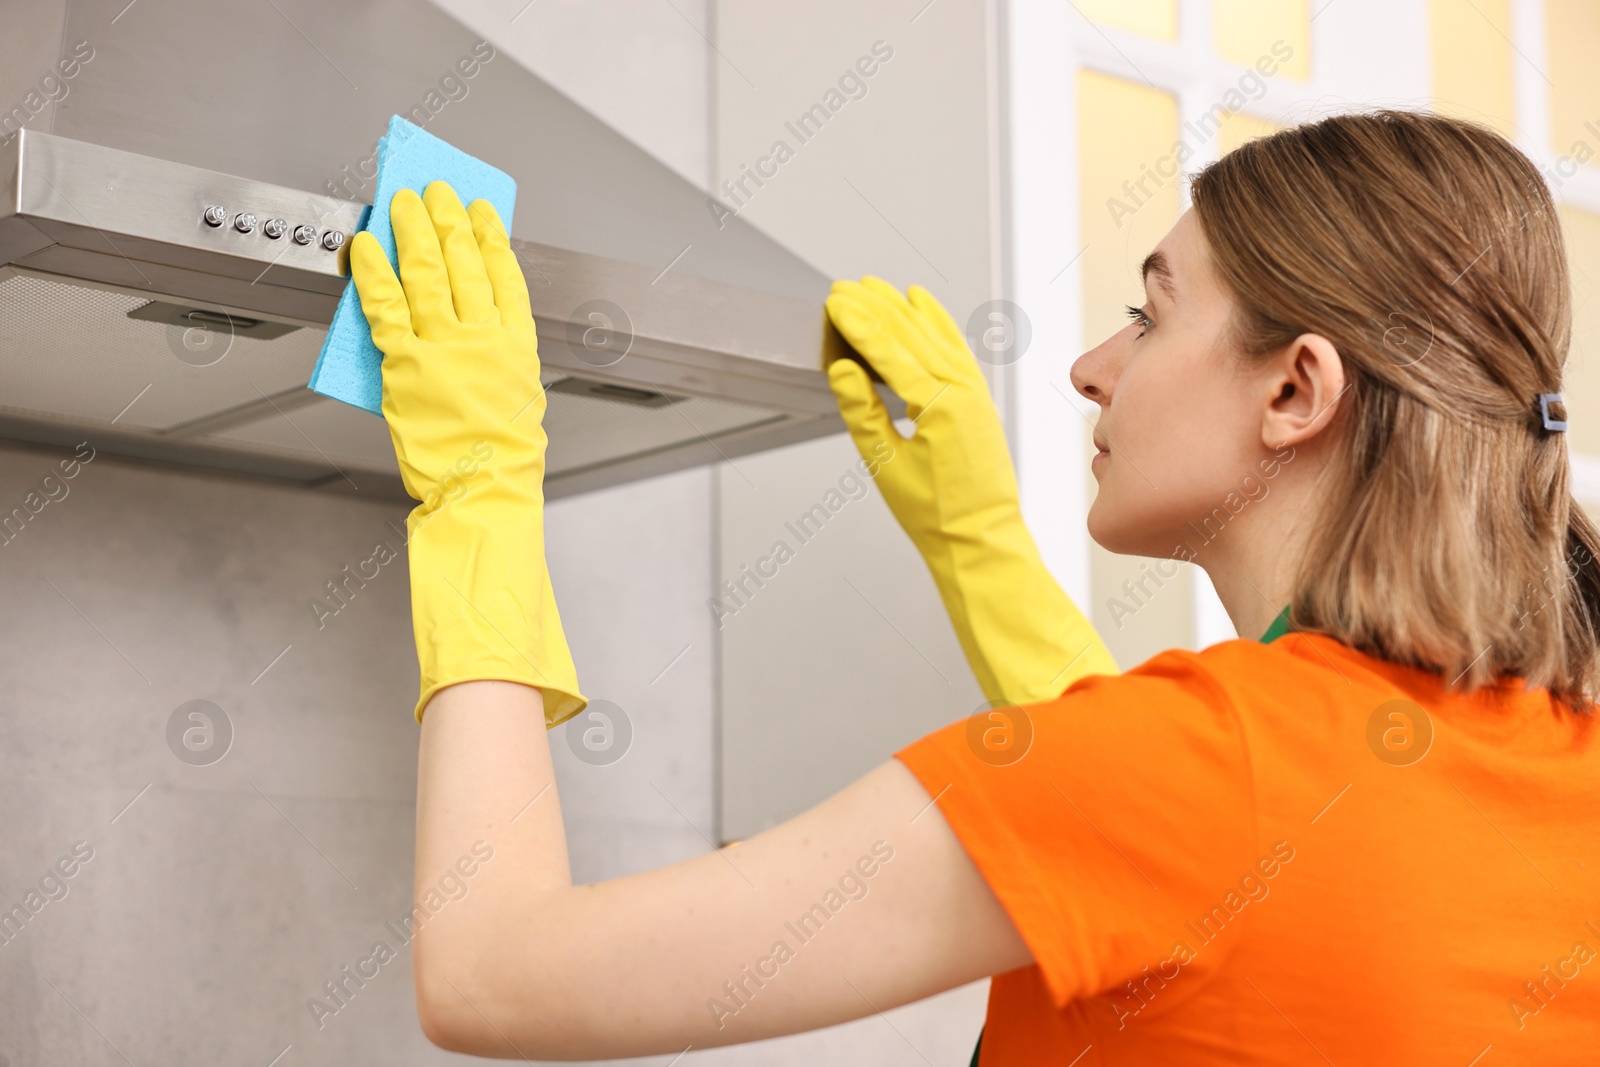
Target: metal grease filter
x,y
71,352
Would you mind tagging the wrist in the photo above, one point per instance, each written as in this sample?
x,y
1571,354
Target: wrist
x,y
482,606
992,530
483,470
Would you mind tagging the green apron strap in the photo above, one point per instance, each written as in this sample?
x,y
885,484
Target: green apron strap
x,y
1279,627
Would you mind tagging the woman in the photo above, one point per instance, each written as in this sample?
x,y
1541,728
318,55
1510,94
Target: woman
x,y
1369,840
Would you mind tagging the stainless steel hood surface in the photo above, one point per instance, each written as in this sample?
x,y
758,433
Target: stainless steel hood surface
x,y
128,318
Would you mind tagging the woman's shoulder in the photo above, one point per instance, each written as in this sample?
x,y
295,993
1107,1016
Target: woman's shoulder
x,y
1306,666
1299,682
1228,671
1315,692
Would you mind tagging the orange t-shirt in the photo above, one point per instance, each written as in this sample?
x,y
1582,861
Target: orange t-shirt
x,y
1291,853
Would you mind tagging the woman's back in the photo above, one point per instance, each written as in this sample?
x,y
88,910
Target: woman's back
x,y
1289,853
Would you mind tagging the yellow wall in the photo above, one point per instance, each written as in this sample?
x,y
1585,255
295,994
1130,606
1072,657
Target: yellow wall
x,y
1246,30
1471,53
1126,135
1153,18
1238,128
1126,131
1572,30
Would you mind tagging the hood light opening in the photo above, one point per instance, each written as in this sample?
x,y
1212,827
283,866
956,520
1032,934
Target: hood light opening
x,y
189,317
624,394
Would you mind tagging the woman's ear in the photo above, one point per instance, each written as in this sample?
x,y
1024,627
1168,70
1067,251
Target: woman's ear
x,y
1304,383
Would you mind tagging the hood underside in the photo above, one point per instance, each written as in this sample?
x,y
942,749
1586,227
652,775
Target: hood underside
x,y
669,337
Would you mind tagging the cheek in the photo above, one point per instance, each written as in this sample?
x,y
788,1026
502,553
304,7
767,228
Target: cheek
x,y
1175,425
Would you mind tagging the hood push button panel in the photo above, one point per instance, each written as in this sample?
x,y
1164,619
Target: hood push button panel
x,y
245,222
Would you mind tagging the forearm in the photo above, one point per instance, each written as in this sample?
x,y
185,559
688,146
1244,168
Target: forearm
x,y
952,488
485,785
527,965
510,959
1023,637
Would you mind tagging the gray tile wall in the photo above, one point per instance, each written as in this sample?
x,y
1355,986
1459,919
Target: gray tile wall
x,y
217,899
220,898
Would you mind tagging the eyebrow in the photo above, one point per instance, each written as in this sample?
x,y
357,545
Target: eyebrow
x,y
1156,264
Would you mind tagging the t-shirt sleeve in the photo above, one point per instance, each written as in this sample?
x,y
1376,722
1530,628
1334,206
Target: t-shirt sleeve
x,y
1103,820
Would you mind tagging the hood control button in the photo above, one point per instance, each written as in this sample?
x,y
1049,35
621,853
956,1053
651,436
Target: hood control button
x,y
304,235
332,240
216,216
244,222
274,228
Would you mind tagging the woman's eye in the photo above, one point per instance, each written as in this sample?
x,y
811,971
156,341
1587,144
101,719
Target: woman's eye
x,y
1140,318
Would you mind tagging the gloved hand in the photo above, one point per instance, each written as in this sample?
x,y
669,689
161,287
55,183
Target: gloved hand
x,y
953,489
462,397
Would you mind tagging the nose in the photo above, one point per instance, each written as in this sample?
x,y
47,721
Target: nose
x,y
1094,372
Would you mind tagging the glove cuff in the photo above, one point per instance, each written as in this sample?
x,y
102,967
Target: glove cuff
x,y
1024,638
481,603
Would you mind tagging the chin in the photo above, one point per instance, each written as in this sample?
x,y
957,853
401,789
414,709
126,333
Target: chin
x,y
1116,530
1105,529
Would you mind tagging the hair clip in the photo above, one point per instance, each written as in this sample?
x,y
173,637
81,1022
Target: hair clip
x,y
1544,411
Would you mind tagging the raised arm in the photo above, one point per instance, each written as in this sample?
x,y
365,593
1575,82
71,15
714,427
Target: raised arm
x,y
861,904
952,488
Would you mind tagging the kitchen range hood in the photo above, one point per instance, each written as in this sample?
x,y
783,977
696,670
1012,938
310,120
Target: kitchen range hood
x,y
178,186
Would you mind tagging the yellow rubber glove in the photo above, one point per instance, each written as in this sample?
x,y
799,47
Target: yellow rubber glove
x,y
953,489
465,409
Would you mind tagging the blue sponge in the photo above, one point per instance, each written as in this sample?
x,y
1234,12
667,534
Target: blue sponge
x,y
349,368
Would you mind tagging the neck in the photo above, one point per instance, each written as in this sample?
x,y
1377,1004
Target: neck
x,y
1252,598
1253,564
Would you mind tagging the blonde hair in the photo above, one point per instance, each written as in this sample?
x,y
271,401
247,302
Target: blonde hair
x,y
1429,251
